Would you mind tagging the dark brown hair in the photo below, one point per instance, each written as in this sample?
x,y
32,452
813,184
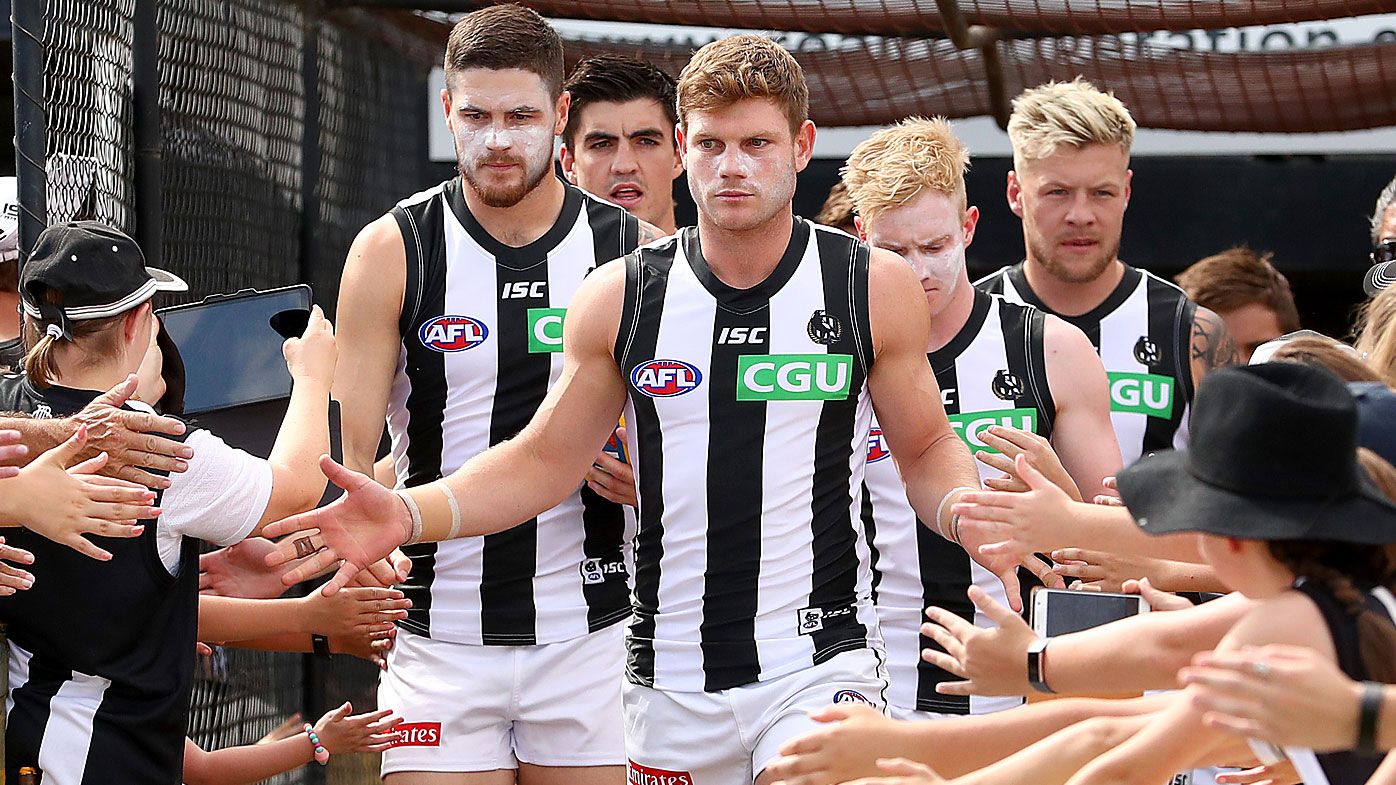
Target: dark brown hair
x,y
616,79
838,209
1237,277
506,36
1342,567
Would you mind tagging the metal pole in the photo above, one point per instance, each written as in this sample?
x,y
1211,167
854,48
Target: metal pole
x,y
145,96
27,19
310,150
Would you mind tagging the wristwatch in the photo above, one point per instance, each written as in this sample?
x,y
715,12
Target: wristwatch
x,y
320,644
1037,659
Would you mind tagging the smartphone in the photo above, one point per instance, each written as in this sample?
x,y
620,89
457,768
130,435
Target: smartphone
x,y
1060,611
231,350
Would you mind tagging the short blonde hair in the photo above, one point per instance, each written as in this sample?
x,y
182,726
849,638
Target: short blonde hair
x,y
1076,113
889,168
739,67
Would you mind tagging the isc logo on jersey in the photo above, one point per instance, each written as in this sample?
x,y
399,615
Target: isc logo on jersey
x,y
453,333
794,377
665,378
970,424
877,446
1141,393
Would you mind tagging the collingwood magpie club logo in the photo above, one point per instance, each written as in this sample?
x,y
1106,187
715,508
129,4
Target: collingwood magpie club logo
x,y
1146,351
824,328
1007,386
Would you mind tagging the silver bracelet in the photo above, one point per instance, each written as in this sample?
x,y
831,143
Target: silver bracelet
x,y
455,509
415,513
953,535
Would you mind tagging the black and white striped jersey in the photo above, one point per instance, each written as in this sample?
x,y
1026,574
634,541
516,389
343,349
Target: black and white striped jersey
x,y
748,421
481,332
993,372
1142,332
101,653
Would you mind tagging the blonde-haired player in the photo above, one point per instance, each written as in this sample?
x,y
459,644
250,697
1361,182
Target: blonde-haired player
x,y
996,363
1071,184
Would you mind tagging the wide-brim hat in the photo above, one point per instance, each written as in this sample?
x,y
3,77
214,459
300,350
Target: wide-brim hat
x,y
1379,276
99,270
1273,456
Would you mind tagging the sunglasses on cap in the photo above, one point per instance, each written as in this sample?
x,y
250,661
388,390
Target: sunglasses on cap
x,y
1384,251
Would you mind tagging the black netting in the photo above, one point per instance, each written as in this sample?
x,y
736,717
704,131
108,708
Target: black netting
x,y
231,116
87,94
241,696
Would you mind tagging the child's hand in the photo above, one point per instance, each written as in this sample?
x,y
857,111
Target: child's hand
x,y
342,734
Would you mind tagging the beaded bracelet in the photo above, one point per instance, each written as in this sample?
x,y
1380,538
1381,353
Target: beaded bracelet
x,y
322,755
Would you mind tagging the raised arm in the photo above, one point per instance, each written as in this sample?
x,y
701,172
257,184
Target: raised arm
x,y
1082,434
501,487
370,305
931,459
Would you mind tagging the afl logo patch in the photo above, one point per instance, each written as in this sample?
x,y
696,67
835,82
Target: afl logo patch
x,y
877,446
851,696
1146,351
665,378
453,333
824,328
1007,386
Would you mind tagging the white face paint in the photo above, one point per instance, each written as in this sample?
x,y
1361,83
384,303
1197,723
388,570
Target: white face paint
x,y
503,124
928,232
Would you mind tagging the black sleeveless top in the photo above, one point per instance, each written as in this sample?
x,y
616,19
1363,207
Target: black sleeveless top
x,y
116,635
1345,767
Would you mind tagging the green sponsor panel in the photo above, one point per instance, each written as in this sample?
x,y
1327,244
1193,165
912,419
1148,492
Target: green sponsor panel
x,y
968,425
545,330
794,377
1141,393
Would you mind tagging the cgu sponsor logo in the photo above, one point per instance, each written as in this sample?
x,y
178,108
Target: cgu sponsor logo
x,y
877,446
794,377
1141,393
453,333
665,378
635,774
969,425
417,734
545,330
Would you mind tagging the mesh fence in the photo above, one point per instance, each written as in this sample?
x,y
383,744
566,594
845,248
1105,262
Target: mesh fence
x,y
87,94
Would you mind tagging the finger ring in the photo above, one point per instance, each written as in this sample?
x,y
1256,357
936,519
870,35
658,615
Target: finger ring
x,y
1261,669
304,547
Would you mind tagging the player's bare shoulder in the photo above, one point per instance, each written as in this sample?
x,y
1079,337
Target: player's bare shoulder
x,y
896,303
1064,344
375,270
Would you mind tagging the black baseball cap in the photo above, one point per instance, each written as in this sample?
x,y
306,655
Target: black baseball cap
x,y
100,271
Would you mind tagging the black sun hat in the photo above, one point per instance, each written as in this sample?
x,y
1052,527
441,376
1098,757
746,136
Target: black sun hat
x,y
100,271
1273,457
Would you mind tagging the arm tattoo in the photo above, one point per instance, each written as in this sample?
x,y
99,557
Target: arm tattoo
x,y
649,233
1212,345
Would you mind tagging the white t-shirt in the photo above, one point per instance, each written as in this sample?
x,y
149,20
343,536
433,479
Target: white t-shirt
x,y
219,499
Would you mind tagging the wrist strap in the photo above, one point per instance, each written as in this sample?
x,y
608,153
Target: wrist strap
x,y
1037,665
321,646
415,512
322,755
953,532
455,509
1367,711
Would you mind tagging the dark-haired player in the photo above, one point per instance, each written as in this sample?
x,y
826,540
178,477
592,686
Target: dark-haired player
x,y
619,138
451,313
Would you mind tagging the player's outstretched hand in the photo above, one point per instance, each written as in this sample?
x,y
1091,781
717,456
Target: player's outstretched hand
x,y
1019,524
846,748
13,579
900,771
359,528
991,661
131,438
64,505
1286,695
342,734
370,645
1012,442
